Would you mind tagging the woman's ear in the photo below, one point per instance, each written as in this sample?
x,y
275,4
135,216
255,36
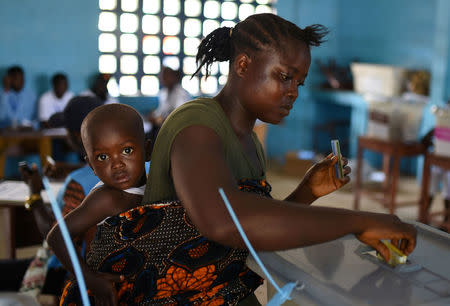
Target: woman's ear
x,y
148,146
241,63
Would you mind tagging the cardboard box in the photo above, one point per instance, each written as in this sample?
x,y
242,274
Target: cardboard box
x,y
297,163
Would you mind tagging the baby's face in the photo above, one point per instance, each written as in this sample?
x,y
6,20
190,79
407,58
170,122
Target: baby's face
x,y
117,156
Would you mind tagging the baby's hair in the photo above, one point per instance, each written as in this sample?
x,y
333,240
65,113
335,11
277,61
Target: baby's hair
x,y
123,116
256,33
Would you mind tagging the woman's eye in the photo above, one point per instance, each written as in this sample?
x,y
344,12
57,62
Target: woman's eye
x,y
102,157
127,151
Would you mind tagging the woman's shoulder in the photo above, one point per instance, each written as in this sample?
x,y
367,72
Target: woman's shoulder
x,y
202,111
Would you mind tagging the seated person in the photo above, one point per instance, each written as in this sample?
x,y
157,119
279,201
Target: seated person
x,y
113,137
170,97
41,277
99,89
54,100
17,104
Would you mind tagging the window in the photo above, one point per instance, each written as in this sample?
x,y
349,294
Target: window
x,y
138,37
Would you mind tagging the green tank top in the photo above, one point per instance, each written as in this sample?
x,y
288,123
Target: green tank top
x,y
206,112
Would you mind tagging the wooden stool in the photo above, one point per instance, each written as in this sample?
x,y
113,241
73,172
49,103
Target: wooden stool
x,y
394,150
437,160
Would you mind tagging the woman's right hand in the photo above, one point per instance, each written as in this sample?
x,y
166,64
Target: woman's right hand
x,y
103,287
390,227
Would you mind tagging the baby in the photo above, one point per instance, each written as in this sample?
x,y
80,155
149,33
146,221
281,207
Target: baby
x,y
114,142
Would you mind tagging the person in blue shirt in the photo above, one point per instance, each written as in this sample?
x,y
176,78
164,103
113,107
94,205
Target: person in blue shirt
x,y
17,103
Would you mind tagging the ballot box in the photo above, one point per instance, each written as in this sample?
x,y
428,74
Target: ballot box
x,y
346,272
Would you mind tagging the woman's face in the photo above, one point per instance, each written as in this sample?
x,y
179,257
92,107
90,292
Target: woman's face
x,y
271,81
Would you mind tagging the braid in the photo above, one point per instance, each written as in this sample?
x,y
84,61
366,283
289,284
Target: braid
x,y
214,47
256,33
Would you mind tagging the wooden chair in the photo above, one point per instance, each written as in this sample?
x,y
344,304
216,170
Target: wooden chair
x,y
424,214
391,150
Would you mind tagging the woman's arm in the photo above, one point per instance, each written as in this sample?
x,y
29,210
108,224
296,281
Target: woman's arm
x,y
198,169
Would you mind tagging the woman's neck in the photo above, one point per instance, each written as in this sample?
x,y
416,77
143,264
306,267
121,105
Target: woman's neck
x,y
241,121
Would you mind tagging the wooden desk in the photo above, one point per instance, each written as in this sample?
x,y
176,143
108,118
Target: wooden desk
x,y
430,160
19,226
43,138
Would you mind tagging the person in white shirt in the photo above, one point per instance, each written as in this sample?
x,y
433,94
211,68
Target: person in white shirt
x,y
170,97
99,89
54,100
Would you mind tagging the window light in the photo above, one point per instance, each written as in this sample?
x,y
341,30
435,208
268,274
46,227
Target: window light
x,y
229,10
128,43
128,85
107,21
128,23
171,7
107,63
191,46
151,44
107,4
192,27
151,24
209,26
171,26
211,9
107,42
263,9
209,85
192,8
150,6
246,10
128,64
189,65
191,85
129,5
152,65
150,85
171,45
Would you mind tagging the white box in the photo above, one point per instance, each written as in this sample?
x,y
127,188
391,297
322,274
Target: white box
x,y
379,80
394,120
442,131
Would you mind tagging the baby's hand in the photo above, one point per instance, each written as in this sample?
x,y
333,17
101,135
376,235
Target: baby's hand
x,y
103,288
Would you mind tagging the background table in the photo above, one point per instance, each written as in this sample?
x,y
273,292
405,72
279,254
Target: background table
x,y
19,227
43,139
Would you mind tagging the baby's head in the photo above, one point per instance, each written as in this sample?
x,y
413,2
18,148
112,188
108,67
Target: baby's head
x,y
114,140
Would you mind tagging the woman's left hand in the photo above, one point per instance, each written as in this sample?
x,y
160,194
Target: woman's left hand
x,y
321,177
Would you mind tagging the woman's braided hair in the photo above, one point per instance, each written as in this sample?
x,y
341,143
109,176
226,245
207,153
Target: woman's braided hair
x,y
256,33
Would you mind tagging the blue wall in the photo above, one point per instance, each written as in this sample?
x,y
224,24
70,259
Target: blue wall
x,y
401,32
48,36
